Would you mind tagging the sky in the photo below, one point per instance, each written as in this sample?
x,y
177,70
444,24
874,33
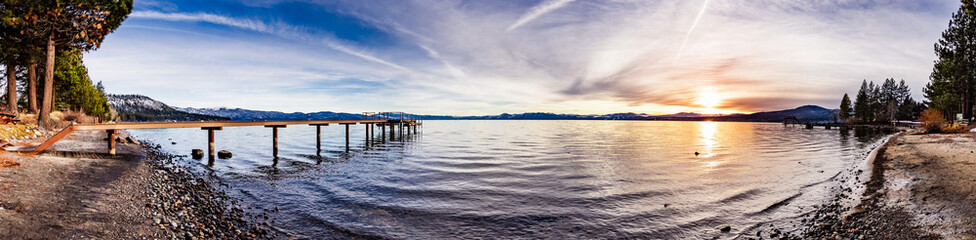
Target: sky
x,y
467,57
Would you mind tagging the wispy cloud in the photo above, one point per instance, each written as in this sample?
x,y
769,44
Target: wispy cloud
x,y
538,10
469,57
276,28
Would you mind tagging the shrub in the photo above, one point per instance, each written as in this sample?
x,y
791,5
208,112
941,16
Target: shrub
x,y
932,120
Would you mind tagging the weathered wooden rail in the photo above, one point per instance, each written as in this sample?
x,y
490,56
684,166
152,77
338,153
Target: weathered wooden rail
x,y
404,122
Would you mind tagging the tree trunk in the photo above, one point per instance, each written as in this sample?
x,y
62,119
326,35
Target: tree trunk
x,y
32,87
48,84
12,88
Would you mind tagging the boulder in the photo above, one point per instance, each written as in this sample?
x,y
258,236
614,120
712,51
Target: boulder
x,y
196,153
224,154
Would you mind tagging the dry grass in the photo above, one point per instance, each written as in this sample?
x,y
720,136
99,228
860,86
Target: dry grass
x,y
955,128
11,132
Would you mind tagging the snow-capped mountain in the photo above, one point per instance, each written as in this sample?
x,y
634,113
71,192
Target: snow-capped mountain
x,y
138,108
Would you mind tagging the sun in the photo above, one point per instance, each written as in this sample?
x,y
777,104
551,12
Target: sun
x,y
709,100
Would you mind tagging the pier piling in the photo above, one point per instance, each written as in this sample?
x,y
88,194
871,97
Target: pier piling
x,y
210,141
347,134
318,137
274,139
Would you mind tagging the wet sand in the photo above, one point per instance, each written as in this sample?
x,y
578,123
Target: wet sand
x,y
139,194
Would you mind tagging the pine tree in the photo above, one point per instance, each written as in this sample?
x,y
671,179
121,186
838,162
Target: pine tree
x,y
906,110
862,103
952,88
845,108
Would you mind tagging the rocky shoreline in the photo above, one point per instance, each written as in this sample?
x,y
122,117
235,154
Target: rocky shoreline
x,y
188,206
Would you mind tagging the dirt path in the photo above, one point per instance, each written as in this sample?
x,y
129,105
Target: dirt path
x,y
51,197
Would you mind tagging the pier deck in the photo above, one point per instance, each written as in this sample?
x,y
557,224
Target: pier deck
x,y
403,121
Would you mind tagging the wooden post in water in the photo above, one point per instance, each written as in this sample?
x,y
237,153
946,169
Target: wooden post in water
x,y
210,141
111,141
274,139
382,132
392,133
367,134
347,134
318,137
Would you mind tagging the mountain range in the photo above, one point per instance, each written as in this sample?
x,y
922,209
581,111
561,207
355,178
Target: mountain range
x,y
142,108
138,108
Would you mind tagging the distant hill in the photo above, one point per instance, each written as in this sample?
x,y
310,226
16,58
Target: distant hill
x,y
138,108
808,113
240,114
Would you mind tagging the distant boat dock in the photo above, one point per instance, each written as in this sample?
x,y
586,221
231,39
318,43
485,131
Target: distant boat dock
x,y
791,120
395,121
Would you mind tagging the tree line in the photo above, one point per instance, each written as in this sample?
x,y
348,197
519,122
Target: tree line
x,y
50,36
951,88
886,102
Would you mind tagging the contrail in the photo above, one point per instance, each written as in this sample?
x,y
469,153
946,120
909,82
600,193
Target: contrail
x,y
539,10
697,18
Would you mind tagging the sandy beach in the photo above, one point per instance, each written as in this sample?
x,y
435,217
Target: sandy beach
x,y
933,176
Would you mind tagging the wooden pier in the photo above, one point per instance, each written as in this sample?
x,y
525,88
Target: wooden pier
x,y
370,120
787,121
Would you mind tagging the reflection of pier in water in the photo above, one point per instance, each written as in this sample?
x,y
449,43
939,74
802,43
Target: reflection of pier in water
x,y
400,126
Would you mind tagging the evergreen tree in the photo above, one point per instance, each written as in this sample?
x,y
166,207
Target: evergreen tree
x,y
952,88
845,108
906,110
862,103
74,89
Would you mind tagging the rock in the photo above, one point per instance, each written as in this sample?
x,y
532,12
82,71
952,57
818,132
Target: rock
x,y
196,153
224,154
726,228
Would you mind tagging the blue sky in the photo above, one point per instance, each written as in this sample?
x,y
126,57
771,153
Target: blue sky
x,y
487,57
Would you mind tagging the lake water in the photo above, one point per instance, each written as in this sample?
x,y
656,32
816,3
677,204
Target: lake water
x,y
534,179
